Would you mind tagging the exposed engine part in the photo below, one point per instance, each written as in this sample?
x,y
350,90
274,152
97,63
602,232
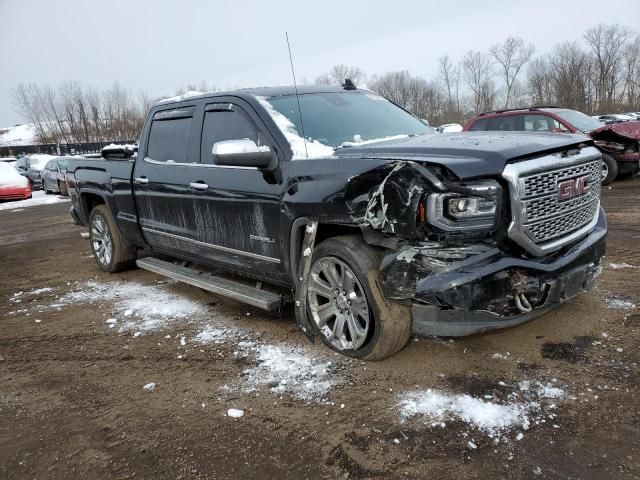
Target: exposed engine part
x,y
521,302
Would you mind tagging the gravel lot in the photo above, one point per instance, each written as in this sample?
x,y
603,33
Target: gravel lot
x,y
131,376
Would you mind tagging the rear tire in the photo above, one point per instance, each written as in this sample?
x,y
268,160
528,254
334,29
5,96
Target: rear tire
x,y
609,169
111,252
354,267
63,189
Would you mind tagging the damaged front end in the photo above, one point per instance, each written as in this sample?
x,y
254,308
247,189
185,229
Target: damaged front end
x,y
449,255
622,142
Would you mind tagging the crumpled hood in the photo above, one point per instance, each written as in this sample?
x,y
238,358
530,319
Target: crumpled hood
x,y
468,154
629,130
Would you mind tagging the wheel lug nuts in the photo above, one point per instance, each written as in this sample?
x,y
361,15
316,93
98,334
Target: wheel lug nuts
x,y
348,302
344,292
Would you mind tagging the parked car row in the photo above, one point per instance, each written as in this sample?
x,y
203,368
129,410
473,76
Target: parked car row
x,y
618,117
618,142
46,172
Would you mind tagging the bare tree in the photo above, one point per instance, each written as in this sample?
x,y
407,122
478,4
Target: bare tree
x,y
632,74
569,66
511,55
607,44
449,78
339,73
477,70
422,98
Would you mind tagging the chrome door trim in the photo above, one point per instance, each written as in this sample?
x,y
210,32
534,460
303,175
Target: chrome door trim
x,y
216,247
194,164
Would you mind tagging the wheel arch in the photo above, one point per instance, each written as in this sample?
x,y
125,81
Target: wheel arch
x,y
325,230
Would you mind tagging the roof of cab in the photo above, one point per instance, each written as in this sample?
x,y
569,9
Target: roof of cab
x,y
259,91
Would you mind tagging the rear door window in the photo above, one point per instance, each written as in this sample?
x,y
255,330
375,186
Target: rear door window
x,y
507,123
538,123
226,122
169,136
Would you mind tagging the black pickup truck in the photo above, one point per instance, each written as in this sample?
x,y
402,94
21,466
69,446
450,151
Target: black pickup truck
x,y
348,208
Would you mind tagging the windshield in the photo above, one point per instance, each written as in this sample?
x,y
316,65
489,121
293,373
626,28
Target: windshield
x,y
343,119
579,120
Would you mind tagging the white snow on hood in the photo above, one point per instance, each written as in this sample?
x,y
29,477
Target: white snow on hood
x,y
9,177
358,142
37,161
314,148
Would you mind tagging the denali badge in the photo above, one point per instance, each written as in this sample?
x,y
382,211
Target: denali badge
x,y
573,188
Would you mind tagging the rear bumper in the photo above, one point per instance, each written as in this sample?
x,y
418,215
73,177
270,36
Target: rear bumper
x,y
15,193
477,293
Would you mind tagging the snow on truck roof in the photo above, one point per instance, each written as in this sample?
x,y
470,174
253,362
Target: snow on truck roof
x,y
259,92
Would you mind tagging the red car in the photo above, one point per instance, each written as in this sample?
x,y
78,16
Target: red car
x,y
619,143
13,186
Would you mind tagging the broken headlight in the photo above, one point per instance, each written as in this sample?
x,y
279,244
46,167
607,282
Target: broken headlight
x,y
472,207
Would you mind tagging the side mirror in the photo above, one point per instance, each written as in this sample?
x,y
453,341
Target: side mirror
x,y
242,153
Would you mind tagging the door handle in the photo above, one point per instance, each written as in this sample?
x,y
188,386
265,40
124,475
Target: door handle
x,y
199,186
141,180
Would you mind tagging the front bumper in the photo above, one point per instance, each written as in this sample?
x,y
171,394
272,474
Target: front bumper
x,y
472,289
628,162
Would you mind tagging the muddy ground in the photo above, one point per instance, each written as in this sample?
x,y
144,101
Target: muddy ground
x,y
72,403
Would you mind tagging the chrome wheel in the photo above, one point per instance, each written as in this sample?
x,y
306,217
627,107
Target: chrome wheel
x,y
605,171
338,304
101,240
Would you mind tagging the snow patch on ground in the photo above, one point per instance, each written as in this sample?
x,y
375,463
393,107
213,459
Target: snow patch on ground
x,y
17,297
619,304
215,335
291,370
141,308
529,403
620,266
37,198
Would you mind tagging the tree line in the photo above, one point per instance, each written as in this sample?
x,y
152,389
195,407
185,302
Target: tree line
x,y
598,73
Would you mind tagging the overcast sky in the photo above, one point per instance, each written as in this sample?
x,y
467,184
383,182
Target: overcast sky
x,y
161,45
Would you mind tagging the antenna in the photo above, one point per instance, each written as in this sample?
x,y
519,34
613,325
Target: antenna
x,y
295,85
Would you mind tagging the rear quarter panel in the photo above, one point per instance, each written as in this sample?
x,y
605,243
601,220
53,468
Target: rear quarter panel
x,y
110,180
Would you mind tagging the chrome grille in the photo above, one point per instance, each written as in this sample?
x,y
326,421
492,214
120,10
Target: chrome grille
x,y
562,224
547,182
541,221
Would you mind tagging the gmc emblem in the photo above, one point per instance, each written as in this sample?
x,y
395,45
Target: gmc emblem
x,y
569,189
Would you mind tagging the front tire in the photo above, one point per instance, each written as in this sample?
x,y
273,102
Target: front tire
x,y
609,169
346,305
110,251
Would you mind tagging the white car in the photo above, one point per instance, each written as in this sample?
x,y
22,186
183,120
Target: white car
x,y
449,128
